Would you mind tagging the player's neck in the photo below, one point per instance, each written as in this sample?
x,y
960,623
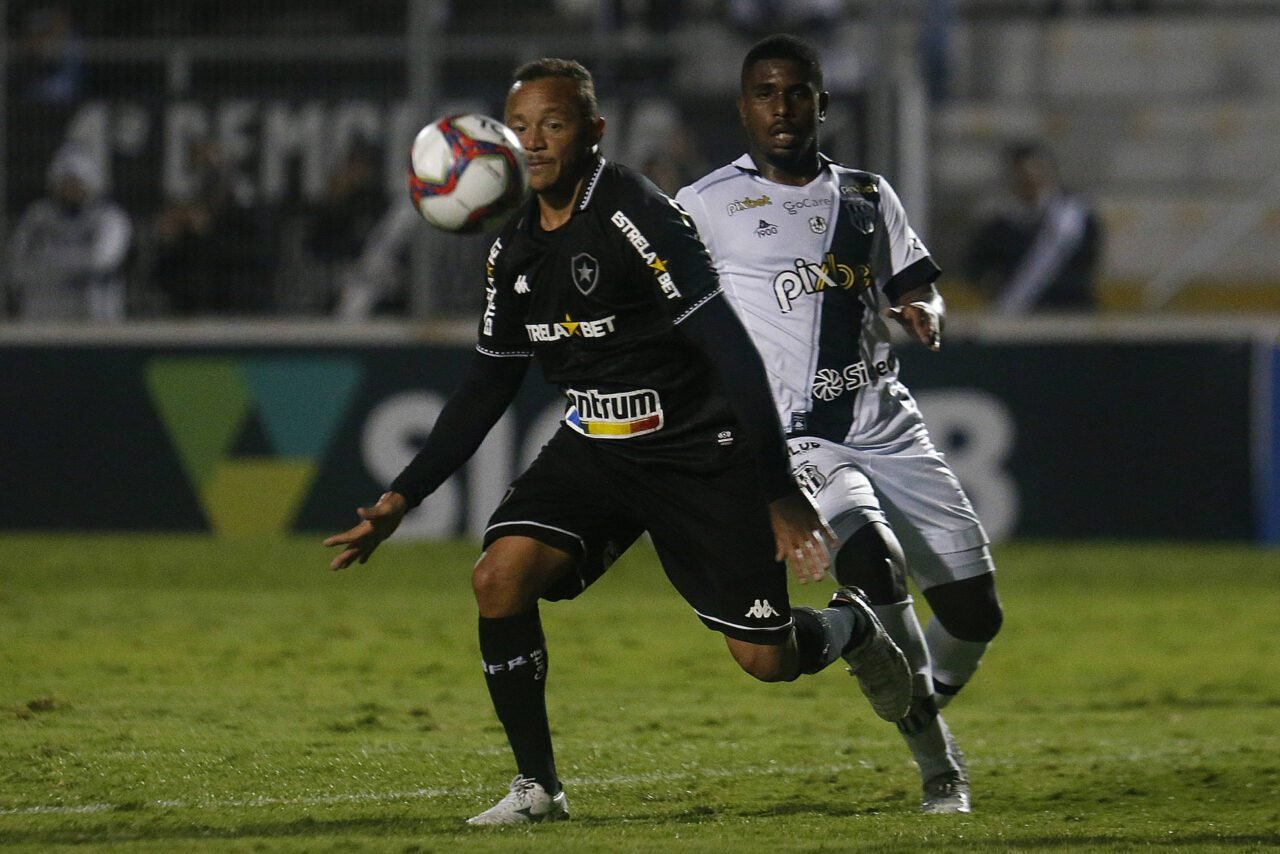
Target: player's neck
x,y
795,173
553,213
555,207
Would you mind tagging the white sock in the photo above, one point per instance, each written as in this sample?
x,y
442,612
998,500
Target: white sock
x,y
900,621
954,660
931,747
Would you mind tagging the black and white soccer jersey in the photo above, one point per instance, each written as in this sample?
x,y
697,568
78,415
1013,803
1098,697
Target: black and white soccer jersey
x,y
812,272
597,301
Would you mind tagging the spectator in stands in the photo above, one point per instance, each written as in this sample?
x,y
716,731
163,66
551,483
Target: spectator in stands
x,y
68,251
213,254
375,281
45,85
1039,248
49,65
341,223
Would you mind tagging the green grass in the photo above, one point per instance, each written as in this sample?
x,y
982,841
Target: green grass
x,y
165,694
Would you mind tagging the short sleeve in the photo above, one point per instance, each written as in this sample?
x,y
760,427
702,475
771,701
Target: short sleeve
x,y
910,265
501,331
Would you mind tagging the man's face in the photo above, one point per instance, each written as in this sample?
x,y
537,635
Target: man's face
x,y
780,108
546,115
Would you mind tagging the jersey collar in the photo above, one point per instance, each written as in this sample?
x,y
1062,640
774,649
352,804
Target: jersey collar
x,y
589,190
746,164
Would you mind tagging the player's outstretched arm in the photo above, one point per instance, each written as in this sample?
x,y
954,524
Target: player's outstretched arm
x,y
802,538
921,312
487,387
376,524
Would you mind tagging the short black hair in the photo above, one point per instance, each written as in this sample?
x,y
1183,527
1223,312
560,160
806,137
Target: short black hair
x,y
571,69
783,46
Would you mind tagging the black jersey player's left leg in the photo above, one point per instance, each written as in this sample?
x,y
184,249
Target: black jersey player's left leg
x,y
508,580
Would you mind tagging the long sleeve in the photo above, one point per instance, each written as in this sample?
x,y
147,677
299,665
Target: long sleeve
x,y
717,331
487,388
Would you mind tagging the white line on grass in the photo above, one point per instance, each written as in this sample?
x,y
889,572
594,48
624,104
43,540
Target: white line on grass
x,y
433,792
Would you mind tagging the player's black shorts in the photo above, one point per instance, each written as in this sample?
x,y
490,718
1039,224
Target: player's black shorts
x,y
711,530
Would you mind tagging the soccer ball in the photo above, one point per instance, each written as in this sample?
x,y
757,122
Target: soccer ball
x,y
467,173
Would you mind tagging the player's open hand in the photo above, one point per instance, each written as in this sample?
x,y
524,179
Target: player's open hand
x,y
376,524
803,537
922,321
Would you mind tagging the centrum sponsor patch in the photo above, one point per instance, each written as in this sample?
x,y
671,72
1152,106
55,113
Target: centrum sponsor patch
x,y
614,415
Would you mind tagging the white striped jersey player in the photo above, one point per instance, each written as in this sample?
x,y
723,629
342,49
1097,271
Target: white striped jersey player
x,y
813,271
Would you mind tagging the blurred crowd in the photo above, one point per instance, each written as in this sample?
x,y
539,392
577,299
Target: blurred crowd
x,y
87,248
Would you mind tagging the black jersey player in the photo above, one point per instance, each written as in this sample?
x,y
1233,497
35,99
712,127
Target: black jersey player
x,y
669,428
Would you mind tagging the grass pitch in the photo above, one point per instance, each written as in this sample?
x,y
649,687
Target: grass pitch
x,y
166,694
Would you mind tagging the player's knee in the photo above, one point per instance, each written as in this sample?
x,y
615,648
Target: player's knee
x,y
770,671
502,587
513,573
968,609
872,560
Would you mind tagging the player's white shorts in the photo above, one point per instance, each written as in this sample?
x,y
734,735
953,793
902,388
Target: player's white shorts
x,y
914,491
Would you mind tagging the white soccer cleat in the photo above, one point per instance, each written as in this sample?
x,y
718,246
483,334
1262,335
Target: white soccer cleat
x,y
880,667
946,794
526,802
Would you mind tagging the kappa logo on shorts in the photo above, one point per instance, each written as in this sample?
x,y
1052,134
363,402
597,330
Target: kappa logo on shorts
x,y
762,609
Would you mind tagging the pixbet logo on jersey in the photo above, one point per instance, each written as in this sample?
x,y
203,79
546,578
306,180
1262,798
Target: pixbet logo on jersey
x,y
747,203
809,278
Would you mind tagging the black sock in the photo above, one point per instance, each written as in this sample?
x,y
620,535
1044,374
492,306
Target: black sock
x,y
514,653
922,712
945,689
822,635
